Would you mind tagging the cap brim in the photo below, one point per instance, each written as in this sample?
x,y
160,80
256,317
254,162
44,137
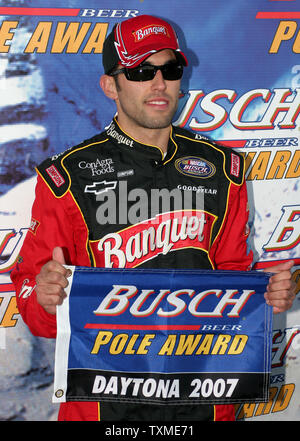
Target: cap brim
x,y
147,53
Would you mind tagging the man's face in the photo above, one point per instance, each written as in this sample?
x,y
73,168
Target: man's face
x,y
150,104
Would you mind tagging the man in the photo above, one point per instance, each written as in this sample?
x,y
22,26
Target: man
x,y
143,67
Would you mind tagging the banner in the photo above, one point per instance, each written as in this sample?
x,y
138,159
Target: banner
x,y
164,336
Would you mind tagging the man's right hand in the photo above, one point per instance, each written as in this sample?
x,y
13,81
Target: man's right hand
x,y
51,282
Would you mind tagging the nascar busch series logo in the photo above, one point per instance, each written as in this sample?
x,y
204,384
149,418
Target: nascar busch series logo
x,y
166,232
270,103
196,167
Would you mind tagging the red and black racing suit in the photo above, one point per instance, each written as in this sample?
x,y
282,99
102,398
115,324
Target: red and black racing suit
x,y
72,210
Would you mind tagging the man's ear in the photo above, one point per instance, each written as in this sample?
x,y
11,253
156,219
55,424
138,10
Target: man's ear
x,y
108,85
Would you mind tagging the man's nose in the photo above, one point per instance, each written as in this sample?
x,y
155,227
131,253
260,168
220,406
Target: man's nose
x,y
158,81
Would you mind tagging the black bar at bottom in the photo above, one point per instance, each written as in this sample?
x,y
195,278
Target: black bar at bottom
x,y
178,388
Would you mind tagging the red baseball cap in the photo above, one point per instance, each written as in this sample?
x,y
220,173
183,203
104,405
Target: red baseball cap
x,y
135,39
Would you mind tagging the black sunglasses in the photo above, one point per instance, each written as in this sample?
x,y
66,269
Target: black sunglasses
x,y
146,72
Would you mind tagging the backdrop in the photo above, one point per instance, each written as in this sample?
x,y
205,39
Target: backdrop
x,y
242,87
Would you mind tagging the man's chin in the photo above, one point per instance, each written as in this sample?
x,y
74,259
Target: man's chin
x,y
160,122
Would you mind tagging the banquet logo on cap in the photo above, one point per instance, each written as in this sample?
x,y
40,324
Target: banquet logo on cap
x,y
196,167
148,31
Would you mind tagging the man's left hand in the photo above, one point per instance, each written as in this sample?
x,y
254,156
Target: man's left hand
x,y
281,290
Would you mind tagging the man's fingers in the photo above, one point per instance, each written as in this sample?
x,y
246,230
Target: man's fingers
x,y
50,296
283,275
281,300
52,277
280,285
283,266
50,289
53,266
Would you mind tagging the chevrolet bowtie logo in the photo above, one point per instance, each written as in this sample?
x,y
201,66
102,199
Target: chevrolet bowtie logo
x,y
100,187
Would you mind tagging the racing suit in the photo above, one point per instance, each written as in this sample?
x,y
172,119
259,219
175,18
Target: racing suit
x,y
88,201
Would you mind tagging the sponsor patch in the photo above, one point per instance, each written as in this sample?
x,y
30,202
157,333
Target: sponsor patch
x,y
55,176
34,224
162,234
100,187
125,173
26,290
235,165
196,167
121,139
98,167
147,31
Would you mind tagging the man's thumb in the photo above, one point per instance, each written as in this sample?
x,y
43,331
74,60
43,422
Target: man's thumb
x,y
58,255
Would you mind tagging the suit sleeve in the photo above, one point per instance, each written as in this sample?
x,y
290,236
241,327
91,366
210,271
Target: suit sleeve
x,y
231,248
49,228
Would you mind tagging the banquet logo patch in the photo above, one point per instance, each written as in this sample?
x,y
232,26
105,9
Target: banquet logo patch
x,y
162,234
148,31
196,167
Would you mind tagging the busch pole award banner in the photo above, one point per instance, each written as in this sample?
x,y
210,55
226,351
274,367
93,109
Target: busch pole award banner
x,y
241,88
164,336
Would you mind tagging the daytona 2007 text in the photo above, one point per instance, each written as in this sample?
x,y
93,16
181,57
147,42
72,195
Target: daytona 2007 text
x,y
151,388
